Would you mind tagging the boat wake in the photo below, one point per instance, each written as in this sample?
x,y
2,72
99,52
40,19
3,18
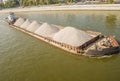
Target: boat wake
x,y
105,56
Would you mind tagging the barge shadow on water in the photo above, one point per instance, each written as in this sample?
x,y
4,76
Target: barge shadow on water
x,y
88,43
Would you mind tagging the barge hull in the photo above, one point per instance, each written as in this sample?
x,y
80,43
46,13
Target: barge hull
x,y
45,40
91,53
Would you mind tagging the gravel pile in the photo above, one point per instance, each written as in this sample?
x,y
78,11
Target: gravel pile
x,y
19,22
47,30
25,24
33,26
72,36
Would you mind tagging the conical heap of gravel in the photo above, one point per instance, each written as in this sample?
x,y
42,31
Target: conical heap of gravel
x,y
19,22
33,26
25,24
72,36
47,30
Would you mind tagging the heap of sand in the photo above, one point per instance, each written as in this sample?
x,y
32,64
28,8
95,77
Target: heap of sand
x,y
47,30
25,24
19,22
33,26
72,36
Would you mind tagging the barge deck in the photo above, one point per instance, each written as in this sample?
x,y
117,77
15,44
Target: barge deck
x,y
98,45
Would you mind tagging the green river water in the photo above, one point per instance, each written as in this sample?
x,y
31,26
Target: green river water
x,y
25,58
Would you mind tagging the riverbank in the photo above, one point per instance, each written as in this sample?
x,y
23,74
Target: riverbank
x,y
103,7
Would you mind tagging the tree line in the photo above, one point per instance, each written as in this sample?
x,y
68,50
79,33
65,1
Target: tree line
x,y
23,3
44,2
16,3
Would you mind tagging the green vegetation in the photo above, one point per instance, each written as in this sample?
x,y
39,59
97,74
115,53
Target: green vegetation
x,y
44,2
8,4
23,3
14,3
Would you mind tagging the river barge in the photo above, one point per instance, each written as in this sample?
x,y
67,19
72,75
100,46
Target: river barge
x,y
88,43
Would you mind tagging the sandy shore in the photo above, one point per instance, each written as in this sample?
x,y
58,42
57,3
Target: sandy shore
x,y
104,7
